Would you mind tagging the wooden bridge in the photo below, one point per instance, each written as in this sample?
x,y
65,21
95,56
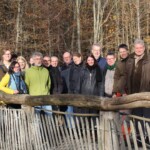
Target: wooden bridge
x,y
23,129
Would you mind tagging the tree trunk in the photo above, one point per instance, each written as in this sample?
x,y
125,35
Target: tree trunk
x,y
78,3
18,25
138,19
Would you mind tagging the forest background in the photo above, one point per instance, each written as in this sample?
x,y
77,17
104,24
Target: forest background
x,y
55,26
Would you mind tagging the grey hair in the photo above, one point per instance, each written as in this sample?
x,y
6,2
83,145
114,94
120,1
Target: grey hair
x,y
37,54
96,44
139,41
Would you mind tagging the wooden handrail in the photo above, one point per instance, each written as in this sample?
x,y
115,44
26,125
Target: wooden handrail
x,y
94,102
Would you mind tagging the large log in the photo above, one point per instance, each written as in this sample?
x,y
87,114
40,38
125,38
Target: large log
x,y
94,102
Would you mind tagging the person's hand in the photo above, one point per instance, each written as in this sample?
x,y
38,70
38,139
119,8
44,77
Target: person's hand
x,y
16,91
114,95
124,94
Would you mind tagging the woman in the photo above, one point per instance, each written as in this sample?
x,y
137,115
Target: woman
x,y
12,82
5,63
91,78
23,63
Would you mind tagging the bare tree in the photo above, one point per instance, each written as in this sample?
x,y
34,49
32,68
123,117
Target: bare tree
x,y
78,3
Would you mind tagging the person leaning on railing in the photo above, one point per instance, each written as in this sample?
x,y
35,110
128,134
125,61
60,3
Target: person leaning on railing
x,y
12,82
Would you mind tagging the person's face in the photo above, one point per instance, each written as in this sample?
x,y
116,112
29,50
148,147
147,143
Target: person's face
x,y
123,53
76,60
54,62
37,61
46,61
16,68
90,61
31,61
139,49
96,51
7,56
110,60
67,58
22,64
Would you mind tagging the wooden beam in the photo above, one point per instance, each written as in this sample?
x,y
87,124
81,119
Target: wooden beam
x,y
93,102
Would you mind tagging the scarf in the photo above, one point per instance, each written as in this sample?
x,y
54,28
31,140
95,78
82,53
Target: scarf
x,y
111,67
16,83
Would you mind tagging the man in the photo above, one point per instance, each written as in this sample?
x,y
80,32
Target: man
x,y
67,58
137,74
37,77
56,79
109,76
6,60
119,76
47,61
96,51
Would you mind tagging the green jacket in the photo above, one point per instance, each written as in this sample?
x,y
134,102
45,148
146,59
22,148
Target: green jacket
x,y
38,80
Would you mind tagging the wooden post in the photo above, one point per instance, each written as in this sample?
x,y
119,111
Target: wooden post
x,y
109,130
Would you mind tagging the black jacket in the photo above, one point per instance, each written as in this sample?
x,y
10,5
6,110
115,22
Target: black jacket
x,y
56,81
71,79
91,80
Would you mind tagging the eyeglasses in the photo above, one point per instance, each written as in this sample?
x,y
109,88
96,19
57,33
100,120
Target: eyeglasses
x,y
17,67
46,60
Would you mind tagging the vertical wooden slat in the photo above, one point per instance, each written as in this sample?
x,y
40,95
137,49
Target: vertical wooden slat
x,y
134,135
148,130
127,138
84,134
142,136
88,133
77,120
69,124
93,133
100,134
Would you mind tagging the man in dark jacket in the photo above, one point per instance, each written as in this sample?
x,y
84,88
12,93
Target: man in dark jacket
x,y
137,74
119,76
96,51
67,59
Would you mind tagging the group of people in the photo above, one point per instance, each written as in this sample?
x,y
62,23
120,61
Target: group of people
x,y
94,75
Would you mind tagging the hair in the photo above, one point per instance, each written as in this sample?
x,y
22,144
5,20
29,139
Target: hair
x,y
37,54
139,41
123,46
54,57
6,49
96,44
67,53
24,60
47,56
90,55
110,52
77,55
11,67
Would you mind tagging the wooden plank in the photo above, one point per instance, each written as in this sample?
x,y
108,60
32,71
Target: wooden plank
x,y
142,136
93,130
134,135
127,135
78,124
148,130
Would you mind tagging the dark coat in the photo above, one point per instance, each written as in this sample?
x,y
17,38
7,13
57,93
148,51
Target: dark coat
x,y
65,66
102,64
119,77
56,81
142,74
138,80
91,80
71,79
3,70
